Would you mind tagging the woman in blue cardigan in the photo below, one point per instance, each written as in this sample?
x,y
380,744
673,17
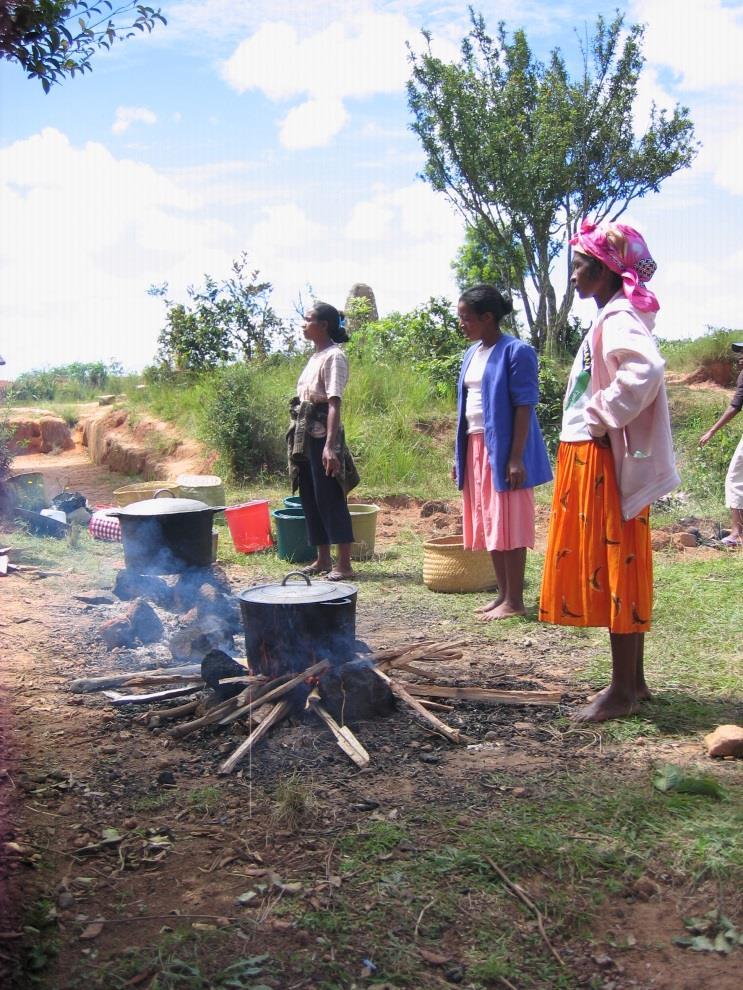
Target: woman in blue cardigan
x,y
500,453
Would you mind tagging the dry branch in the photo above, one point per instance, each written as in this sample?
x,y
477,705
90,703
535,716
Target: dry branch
x,y
279,710
488,696
119,700
453,735
84,685
343,735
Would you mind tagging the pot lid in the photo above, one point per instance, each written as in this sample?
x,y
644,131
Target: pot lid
x,y
304,592
163,507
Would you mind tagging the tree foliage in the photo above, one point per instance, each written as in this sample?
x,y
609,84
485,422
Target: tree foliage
x,y
222,322
65,381
428,338
524,151
52,39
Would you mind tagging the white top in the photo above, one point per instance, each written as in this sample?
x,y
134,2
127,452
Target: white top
x,y
578,394
324,377
473,384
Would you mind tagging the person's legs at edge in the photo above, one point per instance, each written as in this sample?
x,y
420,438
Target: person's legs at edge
x,y
510,566
622,696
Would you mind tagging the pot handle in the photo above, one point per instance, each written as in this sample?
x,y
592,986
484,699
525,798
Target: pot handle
x,y
163,491
296,574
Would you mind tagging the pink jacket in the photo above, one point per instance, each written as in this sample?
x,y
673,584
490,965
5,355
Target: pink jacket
x,y
629,404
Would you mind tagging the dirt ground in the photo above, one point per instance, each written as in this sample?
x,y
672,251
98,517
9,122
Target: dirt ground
x,y
73,766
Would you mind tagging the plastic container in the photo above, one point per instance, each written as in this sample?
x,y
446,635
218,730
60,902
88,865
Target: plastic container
x,y
364,524
30,491
250,525
141,490
291,535
206,488
293,502
449,568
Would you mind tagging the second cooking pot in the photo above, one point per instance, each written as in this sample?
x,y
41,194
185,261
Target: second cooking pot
x,y
291,625
166,535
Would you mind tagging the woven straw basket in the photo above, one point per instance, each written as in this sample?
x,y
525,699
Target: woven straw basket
x,y
141,490
448,567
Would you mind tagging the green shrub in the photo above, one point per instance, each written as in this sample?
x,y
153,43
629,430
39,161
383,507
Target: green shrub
x,y
245,416
428,339
686,356
552,382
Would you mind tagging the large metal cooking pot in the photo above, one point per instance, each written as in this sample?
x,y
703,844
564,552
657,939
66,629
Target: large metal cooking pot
x,y
166,535
289,626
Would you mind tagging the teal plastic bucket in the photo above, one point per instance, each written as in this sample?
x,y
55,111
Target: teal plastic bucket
x,y
291,535
293,502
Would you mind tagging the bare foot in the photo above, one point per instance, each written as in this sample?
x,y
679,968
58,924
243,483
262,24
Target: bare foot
x,y
489,607
503,611
605,706
643,693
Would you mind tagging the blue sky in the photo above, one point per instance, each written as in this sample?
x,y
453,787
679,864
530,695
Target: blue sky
x,y
281,128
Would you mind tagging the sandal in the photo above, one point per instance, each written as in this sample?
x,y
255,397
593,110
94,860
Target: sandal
x,y
340,576
314,569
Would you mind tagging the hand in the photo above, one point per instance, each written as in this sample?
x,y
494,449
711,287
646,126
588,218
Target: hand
x,y
602,441
330,462
453,472
706,437
515,473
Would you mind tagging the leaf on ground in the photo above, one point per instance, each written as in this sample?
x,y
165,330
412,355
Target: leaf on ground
x,y
672,778
435,958
93,930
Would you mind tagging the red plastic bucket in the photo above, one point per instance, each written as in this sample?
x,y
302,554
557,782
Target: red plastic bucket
x,y
250,525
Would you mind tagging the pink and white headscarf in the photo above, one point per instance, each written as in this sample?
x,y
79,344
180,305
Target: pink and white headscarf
x,y
623,250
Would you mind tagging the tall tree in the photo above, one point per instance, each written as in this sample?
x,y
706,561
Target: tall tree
x,y
53,39
524,151
223,321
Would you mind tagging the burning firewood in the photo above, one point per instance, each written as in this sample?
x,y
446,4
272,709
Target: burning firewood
x,y
343,735
279,710
271,694
453,735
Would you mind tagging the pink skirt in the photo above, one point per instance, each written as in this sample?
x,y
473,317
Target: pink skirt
x,y
493,520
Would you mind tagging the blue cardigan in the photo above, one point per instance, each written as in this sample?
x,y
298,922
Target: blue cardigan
x,y
510,379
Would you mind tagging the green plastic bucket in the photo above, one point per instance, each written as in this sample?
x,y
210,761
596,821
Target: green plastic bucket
x,y
364,523
293,502
291,535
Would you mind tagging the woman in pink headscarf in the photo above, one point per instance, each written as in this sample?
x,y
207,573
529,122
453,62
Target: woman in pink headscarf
x,y
615,459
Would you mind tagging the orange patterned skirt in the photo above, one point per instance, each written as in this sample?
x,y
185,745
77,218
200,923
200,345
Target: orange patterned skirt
x,y
598,568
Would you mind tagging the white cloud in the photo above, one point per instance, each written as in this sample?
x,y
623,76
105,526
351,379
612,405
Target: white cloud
x,y
83,236
126,116
312,124
361,55
700,41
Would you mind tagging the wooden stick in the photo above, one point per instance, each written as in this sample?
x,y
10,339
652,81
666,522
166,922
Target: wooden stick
x,y
176,711
488,696
119,700
521,894
343,735
453,735
85,685
279,710
436,706
277,692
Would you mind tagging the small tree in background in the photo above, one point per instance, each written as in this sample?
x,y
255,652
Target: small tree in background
x,y
524,152
224,321
52,39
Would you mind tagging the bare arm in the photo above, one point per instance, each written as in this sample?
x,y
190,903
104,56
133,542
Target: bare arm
x,y
515,470
330,460
729,413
